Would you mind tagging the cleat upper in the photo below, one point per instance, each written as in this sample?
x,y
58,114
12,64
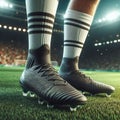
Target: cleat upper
x,y
70,72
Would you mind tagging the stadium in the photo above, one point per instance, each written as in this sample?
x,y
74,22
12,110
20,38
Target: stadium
x,y
100,59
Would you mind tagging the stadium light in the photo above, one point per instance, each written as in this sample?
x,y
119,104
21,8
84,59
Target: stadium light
x,y
99,44
96,44
111,42
10,28
115,41
5,4
5,27
112,16
107,42
15,28
19,29
24,30
10,5
118,40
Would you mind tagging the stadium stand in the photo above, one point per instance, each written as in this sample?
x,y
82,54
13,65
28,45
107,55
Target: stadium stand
x,y
9,54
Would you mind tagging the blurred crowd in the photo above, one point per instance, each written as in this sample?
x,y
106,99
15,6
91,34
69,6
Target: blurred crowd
x,y
109,61
12,55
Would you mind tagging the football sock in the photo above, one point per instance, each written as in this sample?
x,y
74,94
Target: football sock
x,y
40,19
76,27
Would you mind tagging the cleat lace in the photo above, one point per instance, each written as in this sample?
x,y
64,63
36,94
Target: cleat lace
x,y
82,75
51,74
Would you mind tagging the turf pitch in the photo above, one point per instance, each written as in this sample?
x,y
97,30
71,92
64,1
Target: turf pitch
x,y
13,106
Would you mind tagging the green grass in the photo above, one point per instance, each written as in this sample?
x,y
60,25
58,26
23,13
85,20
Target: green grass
x,y
13,106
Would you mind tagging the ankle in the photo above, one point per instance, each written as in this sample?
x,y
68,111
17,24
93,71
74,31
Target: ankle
x,y
69,64
38,56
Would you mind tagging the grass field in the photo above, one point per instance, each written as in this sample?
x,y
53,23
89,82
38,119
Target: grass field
x,y
13,106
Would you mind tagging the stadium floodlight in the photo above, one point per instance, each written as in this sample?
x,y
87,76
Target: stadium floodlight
x,y
107,42
10,5
99,44
10,28
113,16
24,30
115,41
95,44
100,20
111,42
15,28
19,29
118,40
5,4
5,27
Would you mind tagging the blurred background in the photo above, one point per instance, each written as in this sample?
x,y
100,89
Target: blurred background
x,y
101,50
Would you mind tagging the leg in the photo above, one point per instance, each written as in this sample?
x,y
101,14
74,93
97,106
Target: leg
x,y
39,76
78,19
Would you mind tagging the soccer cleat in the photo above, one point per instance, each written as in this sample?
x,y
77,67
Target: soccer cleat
x,y
41,78
70,72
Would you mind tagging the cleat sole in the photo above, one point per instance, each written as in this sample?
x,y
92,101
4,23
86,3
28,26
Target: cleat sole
x,y
40,101
25,94
73,109
50,106
32,94
108,95
28,92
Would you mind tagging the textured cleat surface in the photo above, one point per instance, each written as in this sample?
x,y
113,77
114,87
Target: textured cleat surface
x,y
70,72
50,86
41,78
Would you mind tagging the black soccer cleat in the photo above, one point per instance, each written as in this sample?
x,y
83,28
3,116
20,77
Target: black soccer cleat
x,y
70,72
41,78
